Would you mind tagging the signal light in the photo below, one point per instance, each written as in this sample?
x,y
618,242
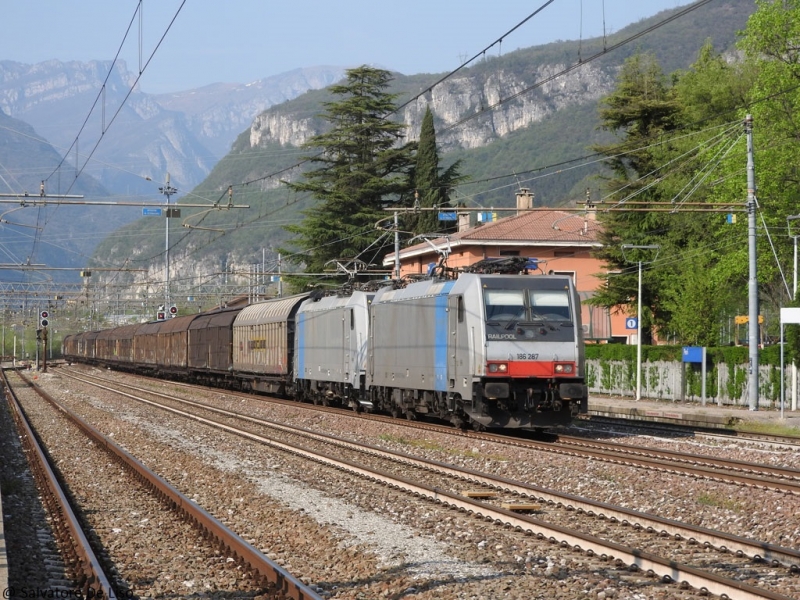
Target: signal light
x,y
173,310
161,316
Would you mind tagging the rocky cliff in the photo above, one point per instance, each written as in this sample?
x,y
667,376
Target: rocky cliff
x,y
459,97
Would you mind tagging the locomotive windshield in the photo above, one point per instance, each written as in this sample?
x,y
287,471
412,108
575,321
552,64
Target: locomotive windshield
x,y
526,305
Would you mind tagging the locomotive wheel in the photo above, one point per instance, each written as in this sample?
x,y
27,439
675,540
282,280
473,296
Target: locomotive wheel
x,y
411,415
395,412
458,422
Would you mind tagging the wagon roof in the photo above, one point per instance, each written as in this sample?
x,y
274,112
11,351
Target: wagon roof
x,y
176,324
123,332
270,311
149,328
217,318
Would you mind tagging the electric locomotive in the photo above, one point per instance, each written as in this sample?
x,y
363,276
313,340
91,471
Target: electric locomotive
x,y
331,335
492,351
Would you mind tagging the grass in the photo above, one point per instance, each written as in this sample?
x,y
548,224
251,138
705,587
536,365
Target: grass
x,y
718,502
767,427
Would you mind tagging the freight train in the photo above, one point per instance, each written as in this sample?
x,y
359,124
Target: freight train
x,y
480,350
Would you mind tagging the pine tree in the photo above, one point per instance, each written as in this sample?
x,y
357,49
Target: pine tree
x,y
362,168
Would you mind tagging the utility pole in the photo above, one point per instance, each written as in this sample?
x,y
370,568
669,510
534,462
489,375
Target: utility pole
x,y
752,285
794,236
396,248
167,190
639,317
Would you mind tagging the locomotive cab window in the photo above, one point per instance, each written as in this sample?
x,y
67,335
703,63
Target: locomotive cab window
x,y
550,304
527,305
504,305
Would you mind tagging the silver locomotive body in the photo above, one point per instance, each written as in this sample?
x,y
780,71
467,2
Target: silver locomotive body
x,y
330,355
490,350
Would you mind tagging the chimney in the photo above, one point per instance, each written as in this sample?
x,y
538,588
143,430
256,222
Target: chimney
x,y
524,199
463,221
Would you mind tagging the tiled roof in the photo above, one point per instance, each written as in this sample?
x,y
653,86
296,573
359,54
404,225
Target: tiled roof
x,y
536,227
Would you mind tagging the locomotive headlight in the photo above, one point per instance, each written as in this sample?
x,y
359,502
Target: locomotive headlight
x,y
564,367
498,367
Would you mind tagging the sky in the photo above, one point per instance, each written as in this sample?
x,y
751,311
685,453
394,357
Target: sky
x,y
240,41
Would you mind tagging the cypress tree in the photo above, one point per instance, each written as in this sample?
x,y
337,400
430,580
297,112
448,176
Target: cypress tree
x,y
431,184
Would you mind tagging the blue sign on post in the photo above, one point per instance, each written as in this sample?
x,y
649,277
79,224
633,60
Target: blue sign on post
x,y
632,323
151,212
448,215
692,354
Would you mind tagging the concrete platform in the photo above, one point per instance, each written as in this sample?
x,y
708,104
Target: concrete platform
x,y
690,413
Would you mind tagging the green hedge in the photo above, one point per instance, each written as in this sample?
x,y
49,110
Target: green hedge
x,y
733,355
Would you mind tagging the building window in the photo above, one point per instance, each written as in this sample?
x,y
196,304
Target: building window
x,y
509,252
563,253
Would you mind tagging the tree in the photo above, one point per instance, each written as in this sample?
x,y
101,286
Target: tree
x,y
430,183
673,140
770,44
639,110
362,168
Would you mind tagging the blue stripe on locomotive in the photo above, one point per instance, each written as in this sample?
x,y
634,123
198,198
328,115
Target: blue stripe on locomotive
x,y
441,338
300,354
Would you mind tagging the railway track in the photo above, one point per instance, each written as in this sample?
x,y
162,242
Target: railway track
x,y
658,545
743,473
83,565
767,475
225,545
611,424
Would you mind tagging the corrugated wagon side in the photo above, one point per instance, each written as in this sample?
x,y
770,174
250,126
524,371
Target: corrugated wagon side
x,y
173,344
211,345
263,344
145,345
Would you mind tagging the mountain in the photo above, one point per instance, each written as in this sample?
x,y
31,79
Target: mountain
x,y
183,133
507,118
147,135
56,236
